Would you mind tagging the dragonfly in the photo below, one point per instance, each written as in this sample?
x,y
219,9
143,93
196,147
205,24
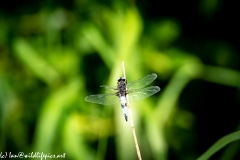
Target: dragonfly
x,y
125,92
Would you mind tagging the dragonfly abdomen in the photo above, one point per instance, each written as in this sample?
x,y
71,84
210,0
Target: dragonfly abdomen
x,y
124,107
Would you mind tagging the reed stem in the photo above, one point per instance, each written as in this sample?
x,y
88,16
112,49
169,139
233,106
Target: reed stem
x,y
131,120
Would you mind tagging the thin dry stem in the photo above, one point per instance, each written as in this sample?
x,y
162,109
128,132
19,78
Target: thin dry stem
x,y
131,120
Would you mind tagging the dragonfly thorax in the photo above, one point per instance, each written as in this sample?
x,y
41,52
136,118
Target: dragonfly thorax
x,y
122,87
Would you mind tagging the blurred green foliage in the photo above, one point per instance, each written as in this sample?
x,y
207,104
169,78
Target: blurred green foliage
x,y
54,56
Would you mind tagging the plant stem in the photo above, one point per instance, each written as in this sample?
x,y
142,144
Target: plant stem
x,y
131,120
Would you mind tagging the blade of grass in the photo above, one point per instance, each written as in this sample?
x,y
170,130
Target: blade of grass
x,y
220,144
38,65
51,113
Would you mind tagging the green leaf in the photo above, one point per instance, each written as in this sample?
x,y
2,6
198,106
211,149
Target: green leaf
x,y
37,64
220,144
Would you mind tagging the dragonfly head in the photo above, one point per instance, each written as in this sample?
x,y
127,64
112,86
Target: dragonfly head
x,y
122,80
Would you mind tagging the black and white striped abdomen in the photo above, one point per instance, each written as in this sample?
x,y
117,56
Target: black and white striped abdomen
x,y
124,106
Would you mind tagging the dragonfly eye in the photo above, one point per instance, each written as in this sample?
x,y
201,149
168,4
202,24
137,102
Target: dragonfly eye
x,y
121,79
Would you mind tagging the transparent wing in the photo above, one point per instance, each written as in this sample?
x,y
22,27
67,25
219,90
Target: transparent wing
x,y
142,82
139,94
104,99
109,89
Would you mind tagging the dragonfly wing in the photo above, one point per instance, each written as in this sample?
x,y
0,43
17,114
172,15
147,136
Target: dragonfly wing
x,y
142,82
109,89
139,94
104,99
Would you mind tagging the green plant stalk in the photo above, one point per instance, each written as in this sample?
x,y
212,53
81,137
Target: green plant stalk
x,y
220,144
